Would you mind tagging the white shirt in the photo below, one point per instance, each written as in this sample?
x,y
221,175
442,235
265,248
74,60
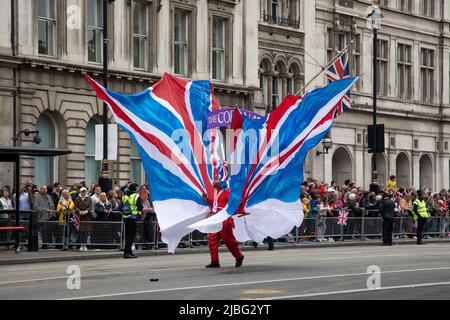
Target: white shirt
x,y
95,200
6,203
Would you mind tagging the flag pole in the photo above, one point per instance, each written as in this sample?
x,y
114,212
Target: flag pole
x,y
326,67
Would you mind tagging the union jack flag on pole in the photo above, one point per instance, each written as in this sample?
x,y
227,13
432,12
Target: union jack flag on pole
x,y
340,69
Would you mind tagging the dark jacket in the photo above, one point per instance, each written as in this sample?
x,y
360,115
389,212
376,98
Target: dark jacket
x,y
83,205
355,211
387,209
101,211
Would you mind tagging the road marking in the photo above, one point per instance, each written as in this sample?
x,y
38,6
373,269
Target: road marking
x,y
32,280
101,267
308,255
249,283
330,293
261,291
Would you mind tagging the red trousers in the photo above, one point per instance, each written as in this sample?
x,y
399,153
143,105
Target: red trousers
x,y
226,235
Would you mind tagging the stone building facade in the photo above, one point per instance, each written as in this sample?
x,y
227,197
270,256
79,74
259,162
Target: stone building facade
x,y
255,52
413,91
57,41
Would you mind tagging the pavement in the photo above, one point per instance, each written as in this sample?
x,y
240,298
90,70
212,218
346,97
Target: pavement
x,y
9,257
344,272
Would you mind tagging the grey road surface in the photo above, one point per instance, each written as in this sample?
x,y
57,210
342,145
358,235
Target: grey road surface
x,y
406,272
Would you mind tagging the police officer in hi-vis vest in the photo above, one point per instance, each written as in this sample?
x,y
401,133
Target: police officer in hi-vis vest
x,y
131,212
420,214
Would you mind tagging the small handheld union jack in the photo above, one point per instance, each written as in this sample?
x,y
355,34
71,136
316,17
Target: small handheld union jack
x,y
340,69
342,219
75,220
222,174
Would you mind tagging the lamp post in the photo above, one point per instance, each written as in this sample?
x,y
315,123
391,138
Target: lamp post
x,y
374,23
327,143
105,181
36,139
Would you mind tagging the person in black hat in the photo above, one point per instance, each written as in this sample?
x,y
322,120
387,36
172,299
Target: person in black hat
x,y
420,214
131,212
387,211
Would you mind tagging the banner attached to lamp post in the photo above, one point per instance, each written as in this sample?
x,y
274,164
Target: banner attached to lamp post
x,y
223,117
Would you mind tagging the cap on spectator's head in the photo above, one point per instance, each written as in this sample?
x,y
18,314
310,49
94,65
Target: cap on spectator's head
x,y
331,190
83,189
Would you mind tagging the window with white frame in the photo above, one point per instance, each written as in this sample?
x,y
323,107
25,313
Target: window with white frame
x,y
338,43
427,7
46,27
382,66
95,30
427,74
218,48
180,42
281,12
404,71
140,34
92,167
46,167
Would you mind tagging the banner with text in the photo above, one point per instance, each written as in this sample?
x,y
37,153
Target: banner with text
x,y
223,117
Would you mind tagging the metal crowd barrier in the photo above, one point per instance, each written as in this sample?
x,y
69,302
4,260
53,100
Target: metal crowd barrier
x,y
111,234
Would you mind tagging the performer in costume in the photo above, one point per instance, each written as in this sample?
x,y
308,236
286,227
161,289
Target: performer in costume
x,y
216,204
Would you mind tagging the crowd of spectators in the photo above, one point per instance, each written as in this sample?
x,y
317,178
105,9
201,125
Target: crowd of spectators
x,y
321,201
77,205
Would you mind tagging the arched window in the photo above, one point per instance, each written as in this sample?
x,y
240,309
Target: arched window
x,y
46,167
426,172
381,168
136,169
403,169
264,81
91,166
341,166
295,80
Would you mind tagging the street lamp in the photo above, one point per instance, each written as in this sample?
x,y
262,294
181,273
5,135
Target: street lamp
x,y
36,139
105,181
327,143
374,22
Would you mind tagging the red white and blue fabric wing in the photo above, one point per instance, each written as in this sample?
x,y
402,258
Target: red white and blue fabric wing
x,y
168,122
267,164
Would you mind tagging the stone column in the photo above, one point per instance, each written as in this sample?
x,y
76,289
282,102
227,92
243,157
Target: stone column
x,y
359,166
416,169
392,163
163,40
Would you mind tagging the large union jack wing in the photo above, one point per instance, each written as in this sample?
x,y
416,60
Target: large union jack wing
x,y
168,123
266,173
